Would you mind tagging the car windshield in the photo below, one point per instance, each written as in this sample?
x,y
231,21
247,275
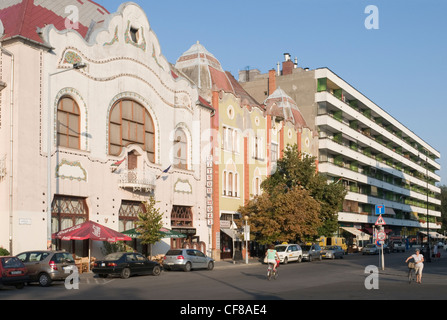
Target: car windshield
x,y
371,246
331,248
305,248
114,256
280,248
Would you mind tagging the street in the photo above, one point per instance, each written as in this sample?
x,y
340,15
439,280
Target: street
x,y
339,279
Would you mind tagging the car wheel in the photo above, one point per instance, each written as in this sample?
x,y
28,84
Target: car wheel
x,y
210,265
125,274
156,271
187,267
286,260
44,280
300,258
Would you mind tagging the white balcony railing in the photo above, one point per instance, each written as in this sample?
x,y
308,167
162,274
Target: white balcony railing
x,y
137,180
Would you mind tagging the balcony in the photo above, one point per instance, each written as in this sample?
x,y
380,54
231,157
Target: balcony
x,y
137,180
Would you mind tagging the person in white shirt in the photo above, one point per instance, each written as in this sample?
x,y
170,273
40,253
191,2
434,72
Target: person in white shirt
x,y
419,264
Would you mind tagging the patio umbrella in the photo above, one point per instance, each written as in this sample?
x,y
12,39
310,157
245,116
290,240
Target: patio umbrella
x,y
92,231
166,233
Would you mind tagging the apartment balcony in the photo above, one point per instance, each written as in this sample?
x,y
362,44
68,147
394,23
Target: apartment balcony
x,y
371,219
373,125
352,134
137,180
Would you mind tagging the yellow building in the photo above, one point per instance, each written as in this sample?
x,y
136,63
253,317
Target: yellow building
x,y
247,139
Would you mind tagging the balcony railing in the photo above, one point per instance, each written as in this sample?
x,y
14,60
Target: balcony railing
x,y
137,180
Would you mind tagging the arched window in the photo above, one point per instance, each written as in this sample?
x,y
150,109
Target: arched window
x,y
180,150
68,124
131,123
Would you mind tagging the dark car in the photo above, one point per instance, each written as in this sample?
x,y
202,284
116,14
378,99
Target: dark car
x,y
13,272
46,266
187,259
125,264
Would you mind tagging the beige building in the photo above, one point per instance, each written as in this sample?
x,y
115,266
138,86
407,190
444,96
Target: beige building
x,y
99,97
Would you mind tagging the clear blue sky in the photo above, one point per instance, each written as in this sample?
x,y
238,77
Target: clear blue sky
x,y
402,66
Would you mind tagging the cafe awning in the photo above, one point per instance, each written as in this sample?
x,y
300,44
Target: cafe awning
x,y
434,235
166,233
358,233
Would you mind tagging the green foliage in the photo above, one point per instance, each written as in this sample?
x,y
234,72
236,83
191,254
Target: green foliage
x,y
149,224
297,202
4,252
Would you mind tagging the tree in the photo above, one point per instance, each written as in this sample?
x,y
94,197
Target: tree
x,y
282,216
149,224
297,201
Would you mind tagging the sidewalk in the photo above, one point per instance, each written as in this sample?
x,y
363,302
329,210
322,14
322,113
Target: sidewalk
x,y
228,263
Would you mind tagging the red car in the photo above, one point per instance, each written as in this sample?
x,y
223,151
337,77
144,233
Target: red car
x,y
13,272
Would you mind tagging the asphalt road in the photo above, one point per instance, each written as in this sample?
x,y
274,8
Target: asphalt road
x,y
341,279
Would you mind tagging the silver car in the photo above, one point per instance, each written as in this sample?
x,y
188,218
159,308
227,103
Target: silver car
x,y
332,252
186,260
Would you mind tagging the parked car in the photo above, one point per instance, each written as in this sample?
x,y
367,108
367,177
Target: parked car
x,y
332,252
125,264
13,272
46,266
397,246
289,252
373,248
311,252
187,259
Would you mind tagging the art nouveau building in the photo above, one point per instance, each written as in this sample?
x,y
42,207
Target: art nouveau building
x,y
377,158
118,123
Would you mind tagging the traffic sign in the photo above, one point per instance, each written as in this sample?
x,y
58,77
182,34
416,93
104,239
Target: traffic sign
x,y
380,209
380,221
381,235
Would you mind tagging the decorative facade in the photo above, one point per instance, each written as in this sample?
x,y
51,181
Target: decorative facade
x,y
121,126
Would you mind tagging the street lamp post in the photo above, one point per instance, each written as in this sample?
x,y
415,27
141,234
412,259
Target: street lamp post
x,y
428,227
247,235
75,66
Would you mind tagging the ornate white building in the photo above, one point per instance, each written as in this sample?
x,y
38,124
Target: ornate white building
x,y
95,92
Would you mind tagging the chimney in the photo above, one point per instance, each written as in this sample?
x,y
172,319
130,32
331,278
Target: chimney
x,y
287,65
272,81
295,65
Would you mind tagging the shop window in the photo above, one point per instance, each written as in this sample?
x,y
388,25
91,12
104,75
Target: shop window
x,y
181,216
128,214
67,212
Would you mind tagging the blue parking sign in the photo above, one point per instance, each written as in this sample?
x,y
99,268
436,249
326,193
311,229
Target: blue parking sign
x,y
380,209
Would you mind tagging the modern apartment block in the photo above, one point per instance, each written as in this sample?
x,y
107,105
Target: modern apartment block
x,y
377,158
